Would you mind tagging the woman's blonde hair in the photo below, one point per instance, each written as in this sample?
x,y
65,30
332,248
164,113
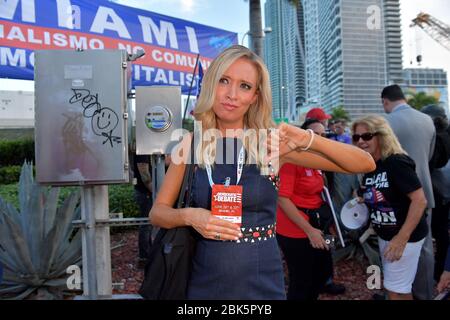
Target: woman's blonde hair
x,y
258,116
389,143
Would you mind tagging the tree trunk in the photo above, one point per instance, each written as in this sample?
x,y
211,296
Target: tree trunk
x,y
256,33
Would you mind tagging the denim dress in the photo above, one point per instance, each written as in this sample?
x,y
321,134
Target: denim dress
x,y
231,270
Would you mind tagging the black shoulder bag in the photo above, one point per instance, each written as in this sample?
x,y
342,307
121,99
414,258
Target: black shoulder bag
x,y
168,269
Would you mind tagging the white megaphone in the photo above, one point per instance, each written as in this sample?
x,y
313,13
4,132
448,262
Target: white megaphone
x,y
354,215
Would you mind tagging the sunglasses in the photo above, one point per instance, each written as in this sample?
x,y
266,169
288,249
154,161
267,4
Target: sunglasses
x,y
365,136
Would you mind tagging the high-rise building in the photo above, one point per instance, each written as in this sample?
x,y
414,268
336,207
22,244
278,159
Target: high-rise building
x,y
393,35
296,59
352,57
347,57
433,82
274,54
332,53
363,63
284,54
312,52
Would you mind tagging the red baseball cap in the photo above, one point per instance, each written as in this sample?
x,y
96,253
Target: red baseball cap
x,y
317,113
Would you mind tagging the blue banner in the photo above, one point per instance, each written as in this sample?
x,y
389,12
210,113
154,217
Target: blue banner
x,y
171,45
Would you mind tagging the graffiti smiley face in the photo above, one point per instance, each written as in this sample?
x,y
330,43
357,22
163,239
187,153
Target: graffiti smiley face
x,y
104,120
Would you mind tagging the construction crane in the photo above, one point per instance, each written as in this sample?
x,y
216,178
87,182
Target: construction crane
x,y
435,28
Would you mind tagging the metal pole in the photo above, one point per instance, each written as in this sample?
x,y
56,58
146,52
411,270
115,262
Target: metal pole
x,y
97,278
90,288
158,173
102,242
190,88
338,228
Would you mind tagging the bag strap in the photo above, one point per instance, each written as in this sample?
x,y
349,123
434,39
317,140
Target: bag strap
x,y
185,192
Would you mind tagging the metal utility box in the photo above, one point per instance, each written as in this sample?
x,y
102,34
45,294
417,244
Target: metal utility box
x,y
158,119
81,116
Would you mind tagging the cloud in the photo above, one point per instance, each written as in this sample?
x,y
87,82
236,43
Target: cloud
x,y
177,8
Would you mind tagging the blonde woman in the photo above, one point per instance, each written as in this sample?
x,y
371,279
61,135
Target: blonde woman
x,y
396,202
233,205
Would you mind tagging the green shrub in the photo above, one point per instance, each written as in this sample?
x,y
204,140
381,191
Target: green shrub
x,y
9,174
15,152
8,193
121,198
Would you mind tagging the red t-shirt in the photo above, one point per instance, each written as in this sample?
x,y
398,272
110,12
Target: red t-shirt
x,y
303,187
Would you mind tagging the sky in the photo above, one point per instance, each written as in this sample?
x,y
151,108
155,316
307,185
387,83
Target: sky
x,y
232,15
434,55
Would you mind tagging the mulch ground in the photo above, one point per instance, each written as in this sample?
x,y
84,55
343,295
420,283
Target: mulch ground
x,y
352,274
127,275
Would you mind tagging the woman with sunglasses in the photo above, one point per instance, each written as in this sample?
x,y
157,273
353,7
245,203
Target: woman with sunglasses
x,y
396,202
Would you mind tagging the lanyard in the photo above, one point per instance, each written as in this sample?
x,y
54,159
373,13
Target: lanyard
x,y
239,169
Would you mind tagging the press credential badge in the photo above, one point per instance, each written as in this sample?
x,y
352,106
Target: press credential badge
x,y
226,203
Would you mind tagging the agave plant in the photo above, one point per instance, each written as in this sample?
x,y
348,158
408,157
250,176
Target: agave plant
x,y
359,248
37,243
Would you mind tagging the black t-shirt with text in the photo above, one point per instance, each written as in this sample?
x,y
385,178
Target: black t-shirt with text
x,y
385,193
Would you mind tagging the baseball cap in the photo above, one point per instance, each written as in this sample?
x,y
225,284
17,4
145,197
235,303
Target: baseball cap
x,y
317,113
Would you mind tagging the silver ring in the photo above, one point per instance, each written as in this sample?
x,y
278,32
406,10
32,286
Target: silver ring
x,y
217,236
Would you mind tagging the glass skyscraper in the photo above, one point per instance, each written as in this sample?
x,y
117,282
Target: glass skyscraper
x,y
312,52
345,45
333,53
285,55
392,27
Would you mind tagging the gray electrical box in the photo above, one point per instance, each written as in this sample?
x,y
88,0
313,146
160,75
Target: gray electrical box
x,y
81,116
158,119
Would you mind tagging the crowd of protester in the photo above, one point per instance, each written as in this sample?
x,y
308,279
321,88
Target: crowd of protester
x,y
407,195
